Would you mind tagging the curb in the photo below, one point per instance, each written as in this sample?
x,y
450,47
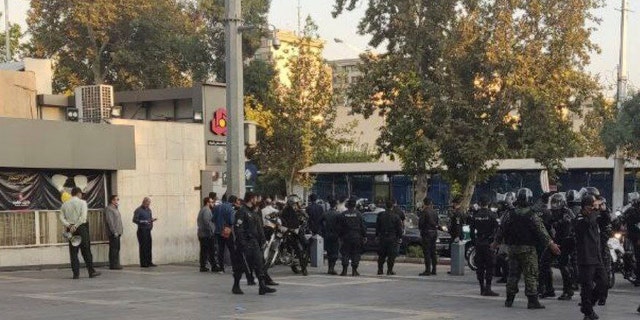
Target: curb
x,y
405,259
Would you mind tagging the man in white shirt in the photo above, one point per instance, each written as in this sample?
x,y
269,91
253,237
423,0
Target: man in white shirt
x,y
73,215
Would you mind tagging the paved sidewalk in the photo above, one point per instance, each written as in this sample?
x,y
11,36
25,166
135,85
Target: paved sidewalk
x,y
181,292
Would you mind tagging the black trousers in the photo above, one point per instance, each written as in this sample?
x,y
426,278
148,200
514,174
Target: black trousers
x,y
564,264
387,253
114,251
485,260
248,260
545,282
84,248
207,252
144,244
332,245
351,250
593,283
429,250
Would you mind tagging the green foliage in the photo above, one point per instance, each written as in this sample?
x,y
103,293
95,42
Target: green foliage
x,y
624,130
415,251
15,34
590,135
131,44
341,154
466,82
258,75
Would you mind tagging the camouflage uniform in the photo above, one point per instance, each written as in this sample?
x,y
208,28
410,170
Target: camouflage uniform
x,y
522,239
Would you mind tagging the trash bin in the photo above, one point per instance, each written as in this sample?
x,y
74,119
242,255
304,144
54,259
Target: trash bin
x,y
317,251
457,258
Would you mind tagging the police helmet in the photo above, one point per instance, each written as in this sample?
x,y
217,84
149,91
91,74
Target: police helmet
x,y
573,197
592,190
510,197
524,196
633,198
293,199
557,201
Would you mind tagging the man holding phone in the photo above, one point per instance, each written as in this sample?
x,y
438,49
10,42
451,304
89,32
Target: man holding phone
x,y
143,217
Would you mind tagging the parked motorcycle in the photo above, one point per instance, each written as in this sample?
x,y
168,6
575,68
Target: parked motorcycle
x,y
622,258
281,241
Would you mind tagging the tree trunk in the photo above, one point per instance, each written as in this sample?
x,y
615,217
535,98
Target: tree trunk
x,y
420,188
469,189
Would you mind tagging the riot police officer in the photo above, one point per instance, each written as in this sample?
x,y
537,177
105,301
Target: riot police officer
x,y
483,226
632,221
389,233
605,226
562,220
353,234
545,283
291,215
522,229
329,230
505,204
249,237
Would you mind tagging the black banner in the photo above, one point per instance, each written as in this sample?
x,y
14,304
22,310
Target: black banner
x,y
46,190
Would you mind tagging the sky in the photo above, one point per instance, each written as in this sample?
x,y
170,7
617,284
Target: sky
x,y
284,15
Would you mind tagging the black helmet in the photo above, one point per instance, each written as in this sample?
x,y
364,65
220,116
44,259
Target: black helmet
x,y
510,197
633,197
573,197
557,201
588,200
524,196
293,199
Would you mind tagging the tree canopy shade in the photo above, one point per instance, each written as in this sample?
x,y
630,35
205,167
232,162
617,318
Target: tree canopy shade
x,y
465,82
624,130
15,34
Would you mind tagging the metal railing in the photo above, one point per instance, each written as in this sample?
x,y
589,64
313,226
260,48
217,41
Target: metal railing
x,y
42,227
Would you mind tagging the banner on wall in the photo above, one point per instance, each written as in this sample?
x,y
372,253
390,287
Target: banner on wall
x,y
47,190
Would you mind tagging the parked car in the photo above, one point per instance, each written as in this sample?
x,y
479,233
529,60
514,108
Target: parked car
x,y
411,235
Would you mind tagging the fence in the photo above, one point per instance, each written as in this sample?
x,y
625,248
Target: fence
x,y
42,227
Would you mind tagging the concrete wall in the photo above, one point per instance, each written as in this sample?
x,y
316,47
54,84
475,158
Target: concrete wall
x,y
169,158
43,73
18,95
366,132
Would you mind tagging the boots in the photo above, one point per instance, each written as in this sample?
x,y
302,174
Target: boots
x,y
534,303
565,296
390,269
482,287
487,288
264,289
236,286
268,281
509,302
344,271
380,269
332,266
354,271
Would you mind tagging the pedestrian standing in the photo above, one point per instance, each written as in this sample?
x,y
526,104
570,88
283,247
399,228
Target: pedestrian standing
x,y
206,231
73,215
522,230
353,235
590,263
113,220
428,223
143,217
389,234
483,227
249,236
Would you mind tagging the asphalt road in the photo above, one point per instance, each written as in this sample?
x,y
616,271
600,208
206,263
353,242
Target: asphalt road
x,y
181,292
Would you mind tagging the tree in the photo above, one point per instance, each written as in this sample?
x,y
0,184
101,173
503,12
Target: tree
x,y
623,130
131,44
254,13
297,119
591,130
466,82
15,34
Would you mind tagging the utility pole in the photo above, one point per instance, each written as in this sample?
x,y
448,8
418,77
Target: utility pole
x,y
299,17
7,32
235,93
618,168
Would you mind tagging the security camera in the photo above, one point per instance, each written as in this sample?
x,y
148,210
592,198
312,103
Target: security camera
x,y
275,41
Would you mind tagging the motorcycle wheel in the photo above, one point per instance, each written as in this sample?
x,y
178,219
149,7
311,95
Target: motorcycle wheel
x,y
295,269
271,256
471,257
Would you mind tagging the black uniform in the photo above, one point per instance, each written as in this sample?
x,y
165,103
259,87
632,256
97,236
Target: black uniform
x,y
352,233
428,224
565,237
590,264
291,220
502,263
329,229
249,240
545,284
606,231
483,227
389,233
632,221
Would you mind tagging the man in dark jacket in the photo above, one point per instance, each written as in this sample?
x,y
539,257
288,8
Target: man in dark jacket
x,y
113,220
429,225
632,221
314,211
223,217
483,227
590,263
249,237
291,215
206,236
389,233
143,217
329,231
353,234
562,220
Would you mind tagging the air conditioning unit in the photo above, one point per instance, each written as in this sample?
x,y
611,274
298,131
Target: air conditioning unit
x,y
94,103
